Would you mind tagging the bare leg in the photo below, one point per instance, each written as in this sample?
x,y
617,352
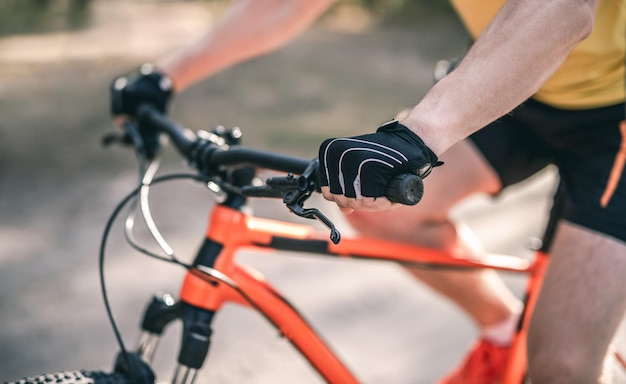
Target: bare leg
x,y
480,293
582,301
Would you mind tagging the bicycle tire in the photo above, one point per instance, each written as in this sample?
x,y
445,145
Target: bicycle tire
x,y
75,377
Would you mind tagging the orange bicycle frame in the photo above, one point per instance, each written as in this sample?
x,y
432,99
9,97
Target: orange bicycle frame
x,y
234,231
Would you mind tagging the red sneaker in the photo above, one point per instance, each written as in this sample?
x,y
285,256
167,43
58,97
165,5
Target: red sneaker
x,y
484,364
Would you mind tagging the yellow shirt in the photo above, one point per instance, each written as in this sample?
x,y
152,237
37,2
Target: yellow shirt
x,y
593,73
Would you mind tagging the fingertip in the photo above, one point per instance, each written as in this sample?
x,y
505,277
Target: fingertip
x,y
369,202
327,195
119,120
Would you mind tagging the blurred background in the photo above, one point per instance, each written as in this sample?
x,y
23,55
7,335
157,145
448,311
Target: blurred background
x,y
361,64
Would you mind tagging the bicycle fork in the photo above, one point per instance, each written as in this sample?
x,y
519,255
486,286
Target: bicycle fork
x,y
196,322
161,311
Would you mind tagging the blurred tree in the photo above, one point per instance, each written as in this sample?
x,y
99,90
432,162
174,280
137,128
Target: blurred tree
x,y
36,16
398,7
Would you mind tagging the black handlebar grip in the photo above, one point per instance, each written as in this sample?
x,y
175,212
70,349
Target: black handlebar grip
x,y
406,189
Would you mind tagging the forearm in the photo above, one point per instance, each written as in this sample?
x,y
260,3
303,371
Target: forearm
x,y
521,48
249,28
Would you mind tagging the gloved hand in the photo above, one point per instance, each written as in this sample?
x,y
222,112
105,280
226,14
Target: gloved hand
x,y
363,166
147,86
128,93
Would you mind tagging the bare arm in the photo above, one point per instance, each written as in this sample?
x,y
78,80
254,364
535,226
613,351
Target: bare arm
x,y
521,48
249,28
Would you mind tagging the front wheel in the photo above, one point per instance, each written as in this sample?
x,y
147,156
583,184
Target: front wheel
x,y
76,377
141,372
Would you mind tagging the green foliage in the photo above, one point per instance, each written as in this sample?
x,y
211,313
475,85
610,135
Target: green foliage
x,y
35,16
401,12
397,7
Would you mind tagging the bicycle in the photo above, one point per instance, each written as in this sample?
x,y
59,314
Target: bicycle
x,y
216,278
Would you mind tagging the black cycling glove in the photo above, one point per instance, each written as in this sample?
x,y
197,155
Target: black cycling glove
x,y
147,86
364,165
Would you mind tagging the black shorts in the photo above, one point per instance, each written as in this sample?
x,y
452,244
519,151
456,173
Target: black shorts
x,y
587,146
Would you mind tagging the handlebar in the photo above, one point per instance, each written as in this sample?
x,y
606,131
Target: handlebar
x,y
206,155
211,156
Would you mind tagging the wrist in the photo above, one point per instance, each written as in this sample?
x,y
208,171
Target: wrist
x,y
430,130
172,73
421,158
163,80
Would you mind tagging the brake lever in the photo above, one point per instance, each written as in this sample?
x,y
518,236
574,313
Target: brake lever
x,y
313,213
110,138
130,136
303,186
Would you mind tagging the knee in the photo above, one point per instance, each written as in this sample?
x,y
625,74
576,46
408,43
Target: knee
x,y
554,368
368,223
437,233
548,363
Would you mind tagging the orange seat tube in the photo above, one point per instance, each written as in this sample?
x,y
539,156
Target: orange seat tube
x,y
517,364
